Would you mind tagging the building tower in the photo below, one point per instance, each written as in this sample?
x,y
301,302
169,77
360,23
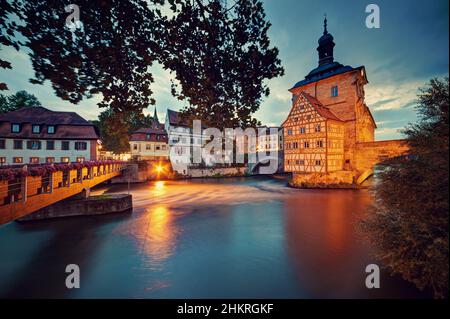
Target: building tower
x,y
328,117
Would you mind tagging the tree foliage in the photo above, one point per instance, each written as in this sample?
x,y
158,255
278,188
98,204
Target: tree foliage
x,y
409,220
110,55
114,130
221,57
18,100
8,28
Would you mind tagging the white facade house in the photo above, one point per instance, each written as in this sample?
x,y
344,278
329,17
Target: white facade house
x,y
188,148
36,135
182,142
149,144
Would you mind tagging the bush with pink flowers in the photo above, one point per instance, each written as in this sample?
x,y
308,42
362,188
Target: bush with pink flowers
x,y
8,173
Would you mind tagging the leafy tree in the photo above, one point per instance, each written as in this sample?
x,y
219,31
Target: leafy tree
x,y
115,129
221,56
18,100
111,54
409,220
7,33
113,132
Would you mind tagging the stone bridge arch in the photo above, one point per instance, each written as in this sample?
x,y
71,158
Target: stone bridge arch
x,y
368,154
254,167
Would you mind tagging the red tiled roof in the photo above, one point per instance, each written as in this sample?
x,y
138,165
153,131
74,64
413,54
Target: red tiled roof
x,y
175,118
150,130
68,125
149,134
41,115
322,110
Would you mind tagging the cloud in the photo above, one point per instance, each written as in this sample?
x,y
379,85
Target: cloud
x,y
392,96
388,133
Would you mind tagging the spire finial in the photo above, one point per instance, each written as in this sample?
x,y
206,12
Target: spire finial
x,y
155,115
325,24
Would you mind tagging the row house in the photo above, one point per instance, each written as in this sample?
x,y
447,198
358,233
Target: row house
x,y
36,135
149,144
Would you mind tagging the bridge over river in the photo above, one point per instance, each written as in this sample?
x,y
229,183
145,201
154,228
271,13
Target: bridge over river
x,y
23,194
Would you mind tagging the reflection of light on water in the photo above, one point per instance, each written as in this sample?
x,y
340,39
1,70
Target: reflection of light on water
x,y
159,188
161,233
160,184
336,223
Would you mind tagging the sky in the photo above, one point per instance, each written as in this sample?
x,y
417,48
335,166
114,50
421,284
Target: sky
x,y
410,47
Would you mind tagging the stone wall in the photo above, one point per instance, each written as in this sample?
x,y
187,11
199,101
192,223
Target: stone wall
x,y
368,154
337,179
95,205
217,172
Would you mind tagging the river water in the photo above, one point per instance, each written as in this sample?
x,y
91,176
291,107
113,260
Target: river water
x,y
215,238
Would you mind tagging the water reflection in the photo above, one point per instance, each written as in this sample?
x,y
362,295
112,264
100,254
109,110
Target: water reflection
x,y
327,254
224,238
160,235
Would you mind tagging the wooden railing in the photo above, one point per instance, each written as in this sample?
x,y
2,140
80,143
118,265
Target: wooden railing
x,y
23,195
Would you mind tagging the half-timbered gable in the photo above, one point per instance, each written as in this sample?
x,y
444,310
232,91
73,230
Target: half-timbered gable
x,y
306,137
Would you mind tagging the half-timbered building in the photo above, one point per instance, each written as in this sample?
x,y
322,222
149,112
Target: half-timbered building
x,y
329,116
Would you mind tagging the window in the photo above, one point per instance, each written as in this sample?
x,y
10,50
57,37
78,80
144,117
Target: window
x,y
302,162
148,136
80,159
80,146
135,147
295,145
34,160
65,145
317,128
2,160
164,147
34,145
306,144
302,130
289,131
50,145
148,146
2,144
17,160
15,128
334,91
318,162
51,129
49,160
18,144
36,129
157,148
65,160
319,143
